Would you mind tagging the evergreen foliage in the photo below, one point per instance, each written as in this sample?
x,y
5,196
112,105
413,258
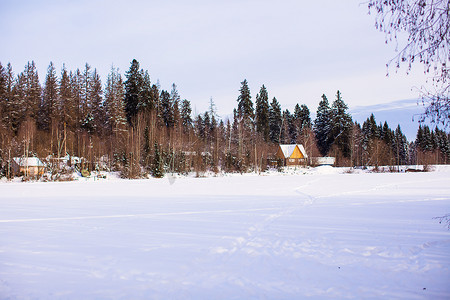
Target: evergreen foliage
x,y
245,105
186,119
323,126
133,88
166,109
112,127
157,166
114,104
275,121
302,117
342,125
262,113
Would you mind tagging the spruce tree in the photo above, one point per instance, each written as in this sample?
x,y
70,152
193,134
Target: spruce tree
x,y
114,108
369,130
275,121
199,127
302,117
166,109
288,129
400,146
76,99
48,110
186,119
85,96
3,95
245,106
133,88
65,109
19,108
145,99
8,98
323,126
443,144
155,98
29,89
175,104
97,109
341,126
262,113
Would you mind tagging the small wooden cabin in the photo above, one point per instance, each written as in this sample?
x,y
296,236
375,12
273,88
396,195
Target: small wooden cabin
x,y
27,166
292,155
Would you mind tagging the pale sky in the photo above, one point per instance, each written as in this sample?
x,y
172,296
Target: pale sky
x,y
298,49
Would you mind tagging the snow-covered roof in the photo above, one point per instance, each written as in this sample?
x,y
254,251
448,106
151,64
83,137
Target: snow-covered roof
x,y
302,150
28,162
289,149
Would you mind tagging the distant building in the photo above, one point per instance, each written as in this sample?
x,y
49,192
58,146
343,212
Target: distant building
x,y
27,166
323,161
292,155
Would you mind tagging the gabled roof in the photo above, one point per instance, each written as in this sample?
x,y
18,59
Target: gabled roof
x,y
287,150
28,162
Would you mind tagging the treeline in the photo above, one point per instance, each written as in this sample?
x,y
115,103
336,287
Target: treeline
x,y
131,125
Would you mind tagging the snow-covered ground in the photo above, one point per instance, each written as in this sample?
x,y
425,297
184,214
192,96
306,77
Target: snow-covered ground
x,y
323,234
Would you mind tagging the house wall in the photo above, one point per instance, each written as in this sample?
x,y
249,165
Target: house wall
x,y
295,161
297,154
32,171
280,153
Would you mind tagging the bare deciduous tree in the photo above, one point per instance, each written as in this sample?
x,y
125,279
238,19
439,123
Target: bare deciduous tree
x,y
427,25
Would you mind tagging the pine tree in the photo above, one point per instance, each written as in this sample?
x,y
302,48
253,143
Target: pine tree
x,y
341,126
275,121
262,113
323,126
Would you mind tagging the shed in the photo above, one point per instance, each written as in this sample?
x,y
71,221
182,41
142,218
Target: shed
x,y
28,166
292,155
324,161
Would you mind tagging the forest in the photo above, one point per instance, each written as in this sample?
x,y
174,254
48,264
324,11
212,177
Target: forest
x,y
132,126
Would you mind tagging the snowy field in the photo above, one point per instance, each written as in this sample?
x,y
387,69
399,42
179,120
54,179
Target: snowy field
x,y
320,235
